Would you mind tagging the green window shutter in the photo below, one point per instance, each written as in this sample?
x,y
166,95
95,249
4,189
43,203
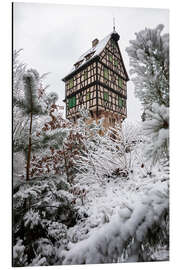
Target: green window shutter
x,y
106,96
120,102
73,101
71,83
106,73
115,62
120,82
70,103
110,58
87,96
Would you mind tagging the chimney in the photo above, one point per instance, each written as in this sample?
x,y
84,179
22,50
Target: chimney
x,y
95,42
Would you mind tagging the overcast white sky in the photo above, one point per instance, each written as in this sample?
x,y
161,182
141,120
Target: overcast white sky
x,y
54,36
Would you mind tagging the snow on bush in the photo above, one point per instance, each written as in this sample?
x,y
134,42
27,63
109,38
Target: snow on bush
x,y
20,259
133,221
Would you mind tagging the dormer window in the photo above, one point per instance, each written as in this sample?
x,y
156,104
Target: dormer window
x,y
78,64
89,55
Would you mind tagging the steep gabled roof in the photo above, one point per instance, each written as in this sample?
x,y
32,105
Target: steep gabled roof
x,y
93,53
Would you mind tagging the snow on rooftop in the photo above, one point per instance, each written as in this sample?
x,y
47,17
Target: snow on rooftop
x,y
96,50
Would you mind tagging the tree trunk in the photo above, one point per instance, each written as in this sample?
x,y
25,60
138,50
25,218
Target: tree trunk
x,y
65,165
29,149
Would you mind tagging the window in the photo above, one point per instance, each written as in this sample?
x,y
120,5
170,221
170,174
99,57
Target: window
x,y
81,98
106,73
110,58
87,96
120,82
115,63
85,75
71,83
113,78
113,44
77,65
106,96
120,102
89,55
72,102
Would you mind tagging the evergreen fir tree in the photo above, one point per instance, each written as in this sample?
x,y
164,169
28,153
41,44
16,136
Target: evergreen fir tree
x,y
42,212
149,59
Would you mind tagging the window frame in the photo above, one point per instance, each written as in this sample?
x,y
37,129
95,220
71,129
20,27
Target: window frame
x,y
106,72
72,102
120,102
106,96
110,58
120,82
71,83
88,96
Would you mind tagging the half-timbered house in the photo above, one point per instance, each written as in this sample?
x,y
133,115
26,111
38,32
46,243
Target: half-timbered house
x,y
98,82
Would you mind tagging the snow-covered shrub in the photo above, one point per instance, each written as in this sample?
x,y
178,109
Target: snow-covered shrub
x,y
128,228
19,258
106,156
42,212
102,172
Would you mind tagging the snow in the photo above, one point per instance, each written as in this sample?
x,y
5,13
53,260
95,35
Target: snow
x,y
149,60
114,207
32,219
96,50
110,239
119,210
18,249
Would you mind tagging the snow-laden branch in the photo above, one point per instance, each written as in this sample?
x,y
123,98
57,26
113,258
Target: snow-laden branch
x,y
106,245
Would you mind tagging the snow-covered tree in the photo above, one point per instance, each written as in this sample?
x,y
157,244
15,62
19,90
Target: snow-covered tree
x,y
156,128
18,72
42,213
19,120
62,144
31,106
149,59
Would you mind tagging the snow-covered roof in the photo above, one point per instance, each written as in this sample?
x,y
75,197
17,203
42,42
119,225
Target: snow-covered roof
x,y
95,51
